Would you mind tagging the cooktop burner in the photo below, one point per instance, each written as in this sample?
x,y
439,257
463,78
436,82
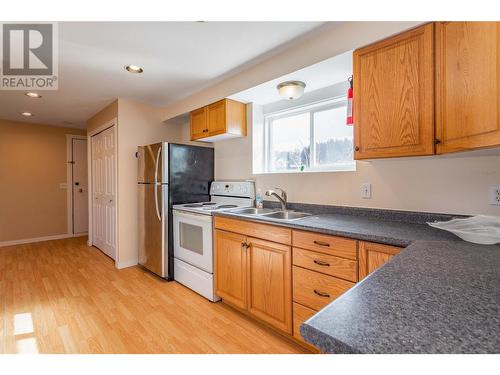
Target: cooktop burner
x,y
196,205
220,207
227,206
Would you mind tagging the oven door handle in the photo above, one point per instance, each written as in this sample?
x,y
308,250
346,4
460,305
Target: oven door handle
x,y
192,215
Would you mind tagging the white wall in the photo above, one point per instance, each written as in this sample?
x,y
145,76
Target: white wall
x,y
450,184
456,184
139,124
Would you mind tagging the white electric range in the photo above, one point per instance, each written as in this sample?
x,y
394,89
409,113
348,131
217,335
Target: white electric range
x,y
193,238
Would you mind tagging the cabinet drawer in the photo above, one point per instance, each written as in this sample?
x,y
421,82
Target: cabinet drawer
x,y
316,290
248,228
331,245
328,264
300,315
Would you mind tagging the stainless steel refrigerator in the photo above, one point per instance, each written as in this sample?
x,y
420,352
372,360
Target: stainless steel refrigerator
x,y
168,174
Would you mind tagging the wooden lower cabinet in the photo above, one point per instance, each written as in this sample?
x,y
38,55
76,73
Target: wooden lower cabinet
x,y
373,255
270,283
231,267
315,290
300,315
265,279
255,275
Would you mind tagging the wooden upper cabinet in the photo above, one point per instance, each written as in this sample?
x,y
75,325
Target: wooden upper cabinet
x,y
373,256
223,119
270,283
467,85
394,96
199,123
217,117
231,268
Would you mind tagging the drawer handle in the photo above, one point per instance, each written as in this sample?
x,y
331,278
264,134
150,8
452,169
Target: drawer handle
x,y
321,294
321,243
321,263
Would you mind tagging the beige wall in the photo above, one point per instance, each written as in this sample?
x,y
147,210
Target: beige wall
x,y
328,41
32,166
105,115
448,184
139,124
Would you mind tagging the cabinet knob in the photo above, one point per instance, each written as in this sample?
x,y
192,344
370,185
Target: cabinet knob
x,y
356,148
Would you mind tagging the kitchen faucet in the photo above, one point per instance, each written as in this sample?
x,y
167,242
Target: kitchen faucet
x,y
281,197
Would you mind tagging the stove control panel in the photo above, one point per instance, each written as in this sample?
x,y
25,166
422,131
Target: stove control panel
x,y
245,189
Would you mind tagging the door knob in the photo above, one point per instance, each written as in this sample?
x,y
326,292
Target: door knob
x,y
77,183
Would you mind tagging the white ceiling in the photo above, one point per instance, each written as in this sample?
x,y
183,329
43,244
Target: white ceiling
x,y
179,58
325,73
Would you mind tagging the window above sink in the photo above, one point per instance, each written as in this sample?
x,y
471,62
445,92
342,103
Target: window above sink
x,y
308,139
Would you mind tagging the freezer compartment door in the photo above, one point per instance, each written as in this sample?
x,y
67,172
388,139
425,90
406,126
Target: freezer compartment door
x,y
150,167
153,224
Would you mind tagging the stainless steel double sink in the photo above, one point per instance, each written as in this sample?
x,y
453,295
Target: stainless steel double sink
x,y
272,213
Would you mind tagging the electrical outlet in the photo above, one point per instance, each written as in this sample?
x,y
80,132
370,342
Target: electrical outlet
x,y
366,191
495,195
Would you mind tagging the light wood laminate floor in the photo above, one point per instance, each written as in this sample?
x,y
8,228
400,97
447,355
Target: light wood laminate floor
x,y
64,297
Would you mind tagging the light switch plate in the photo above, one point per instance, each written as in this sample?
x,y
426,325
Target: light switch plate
x,y
366,191
495,195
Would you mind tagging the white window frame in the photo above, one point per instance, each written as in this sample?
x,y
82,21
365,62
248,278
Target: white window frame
x,y
312,109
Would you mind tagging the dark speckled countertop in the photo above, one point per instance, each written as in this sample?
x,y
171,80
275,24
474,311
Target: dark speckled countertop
x,y
439,295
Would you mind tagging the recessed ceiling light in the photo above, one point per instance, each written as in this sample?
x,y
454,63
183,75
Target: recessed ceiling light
x,y
33,95
26,114
134,69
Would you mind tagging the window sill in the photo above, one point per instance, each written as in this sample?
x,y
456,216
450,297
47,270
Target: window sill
x,y
305,172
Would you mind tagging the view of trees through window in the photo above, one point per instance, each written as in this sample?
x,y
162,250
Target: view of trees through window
x,y
318,139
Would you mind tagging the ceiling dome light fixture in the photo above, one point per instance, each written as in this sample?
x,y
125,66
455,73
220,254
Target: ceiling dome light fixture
x,y
26,114
134,69
33,95
291,90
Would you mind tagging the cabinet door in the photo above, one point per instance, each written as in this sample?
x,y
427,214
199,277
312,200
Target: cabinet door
x,y
394,96
199,124
373,255
270,283
217,118
468,84
231,268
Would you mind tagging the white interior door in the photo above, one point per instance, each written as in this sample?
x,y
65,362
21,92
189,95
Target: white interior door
x,y
104,192
80,186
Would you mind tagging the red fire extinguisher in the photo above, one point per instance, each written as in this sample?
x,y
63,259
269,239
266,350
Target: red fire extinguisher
x,y
350,119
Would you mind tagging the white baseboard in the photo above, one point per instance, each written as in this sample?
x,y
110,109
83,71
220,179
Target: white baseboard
x,y
36,239
126,264
40,239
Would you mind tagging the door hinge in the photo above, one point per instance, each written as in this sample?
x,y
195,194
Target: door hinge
x,y
71,162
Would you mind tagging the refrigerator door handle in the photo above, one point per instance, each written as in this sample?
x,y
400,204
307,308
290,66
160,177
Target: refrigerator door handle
x,y
158,214
157,164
